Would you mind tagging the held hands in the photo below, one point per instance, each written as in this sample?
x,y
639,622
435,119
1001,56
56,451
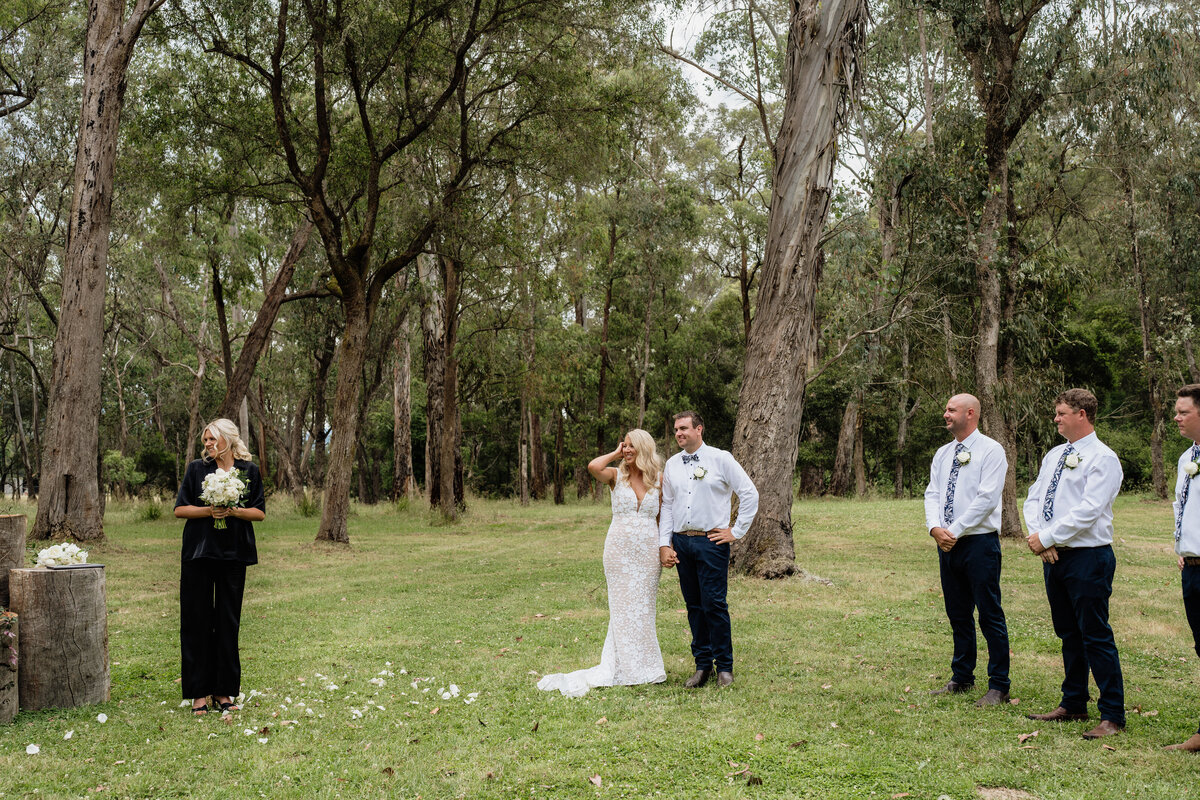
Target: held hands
x,y
220,512
945,539
667,557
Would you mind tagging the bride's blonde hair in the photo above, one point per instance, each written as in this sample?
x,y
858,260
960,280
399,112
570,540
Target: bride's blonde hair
x,y
233,441
647,460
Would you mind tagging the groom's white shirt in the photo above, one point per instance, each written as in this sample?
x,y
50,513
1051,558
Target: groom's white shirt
x,y
702,504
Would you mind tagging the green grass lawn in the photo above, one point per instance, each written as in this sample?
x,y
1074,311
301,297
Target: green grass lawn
x,y
831,696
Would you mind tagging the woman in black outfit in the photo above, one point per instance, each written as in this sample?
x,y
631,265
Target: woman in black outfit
x,y
213,571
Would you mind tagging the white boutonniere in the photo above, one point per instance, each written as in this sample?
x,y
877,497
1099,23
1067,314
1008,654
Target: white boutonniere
x,y
963,457
1073,460
1191,468
698,473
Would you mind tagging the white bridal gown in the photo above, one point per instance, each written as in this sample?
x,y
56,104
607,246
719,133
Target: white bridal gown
x,y
631,569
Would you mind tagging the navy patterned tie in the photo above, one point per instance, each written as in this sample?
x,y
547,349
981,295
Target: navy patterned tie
x,y
948,509
1048,505
1183,496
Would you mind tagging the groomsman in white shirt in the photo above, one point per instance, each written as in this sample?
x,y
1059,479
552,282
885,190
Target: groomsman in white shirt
x,y
694,533
1069,516
1187,520
962,514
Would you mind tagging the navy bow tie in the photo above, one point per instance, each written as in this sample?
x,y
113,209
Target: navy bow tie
x,y
688,459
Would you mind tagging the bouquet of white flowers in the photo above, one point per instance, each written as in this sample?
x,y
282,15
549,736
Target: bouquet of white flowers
x,y
225,489
60,555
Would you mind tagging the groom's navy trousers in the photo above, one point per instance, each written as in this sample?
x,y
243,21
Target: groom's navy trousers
x,y
704,579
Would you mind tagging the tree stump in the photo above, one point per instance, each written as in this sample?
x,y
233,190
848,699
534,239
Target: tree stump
x,y
8,667
12,550
64,636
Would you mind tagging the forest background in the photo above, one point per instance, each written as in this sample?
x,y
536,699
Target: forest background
x,y
478,241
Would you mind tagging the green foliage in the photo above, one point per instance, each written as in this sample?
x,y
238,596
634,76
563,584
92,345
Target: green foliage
x,y
122,470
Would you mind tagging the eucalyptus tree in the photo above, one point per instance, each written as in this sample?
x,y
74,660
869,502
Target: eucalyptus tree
x,y
69,502
1014,50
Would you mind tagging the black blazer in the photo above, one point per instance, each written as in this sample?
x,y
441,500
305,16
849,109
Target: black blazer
x,y
200,538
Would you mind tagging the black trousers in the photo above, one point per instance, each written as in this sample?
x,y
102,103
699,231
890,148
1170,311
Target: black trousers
x,y
704,579
1191,603
1078,586
210,613
970,575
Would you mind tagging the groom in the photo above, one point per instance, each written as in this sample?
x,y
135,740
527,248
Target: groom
x,y
694,533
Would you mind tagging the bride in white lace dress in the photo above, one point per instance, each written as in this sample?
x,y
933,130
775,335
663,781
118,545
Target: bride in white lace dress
x,y
631,568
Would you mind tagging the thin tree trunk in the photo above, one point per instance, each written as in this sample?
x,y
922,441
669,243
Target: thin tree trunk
x,y
559,478
238,382
537,457
1158,473
860,465
403,485
602,390
70,503
820,69
433,338
451,497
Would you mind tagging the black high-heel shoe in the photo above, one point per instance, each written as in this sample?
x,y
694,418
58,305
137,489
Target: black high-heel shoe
x,y
200,710
229,706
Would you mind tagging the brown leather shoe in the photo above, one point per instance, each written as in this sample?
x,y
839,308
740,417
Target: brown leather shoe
x,y
953,687
1106,728
994,697
698,679
724,679
1192,745
1059,714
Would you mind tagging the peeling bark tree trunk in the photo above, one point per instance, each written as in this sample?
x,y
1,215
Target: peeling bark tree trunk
x,y
559,479
403,484
351,354
843,462
537,457
70,503
450,500
821,68
433,336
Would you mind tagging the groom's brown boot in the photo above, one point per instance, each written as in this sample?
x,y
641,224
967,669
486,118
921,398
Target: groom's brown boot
x,y
697,680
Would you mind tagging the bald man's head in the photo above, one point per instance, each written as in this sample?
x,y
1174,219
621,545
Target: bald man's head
x,y
962,415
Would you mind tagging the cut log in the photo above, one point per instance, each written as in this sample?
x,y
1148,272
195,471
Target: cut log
x,y
8,667
12,550
64,636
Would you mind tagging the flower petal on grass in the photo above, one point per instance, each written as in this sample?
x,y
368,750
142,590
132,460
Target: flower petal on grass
x,y
32,749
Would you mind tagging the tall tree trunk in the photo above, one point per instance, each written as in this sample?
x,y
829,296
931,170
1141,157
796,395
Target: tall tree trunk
x,y
904,414
537,456
860,464
351,355
433,338
523,453
451,496
602,389
70,503
1158,473
843,462
238,380
559,478
403,485
820,69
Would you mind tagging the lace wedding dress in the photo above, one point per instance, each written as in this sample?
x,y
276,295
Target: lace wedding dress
x,y
631,654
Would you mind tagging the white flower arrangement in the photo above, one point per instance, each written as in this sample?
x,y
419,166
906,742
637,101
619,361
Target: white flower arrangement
x,y
1073,460
1191,468
698,473
963,457
223,489
60,555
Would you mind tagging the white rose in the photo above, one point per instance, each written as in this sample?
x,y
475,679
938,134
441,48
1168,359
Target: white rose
x,y
1072,461
964,457
1191,468
699,472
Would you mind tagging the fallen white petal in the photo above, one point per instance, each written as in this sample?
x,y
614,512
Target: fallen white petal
x,y
102,718
32,749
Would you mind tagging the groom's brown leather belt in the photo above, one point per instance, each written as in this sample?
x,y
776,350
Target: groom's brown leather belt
x,y
1191,561
692,533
